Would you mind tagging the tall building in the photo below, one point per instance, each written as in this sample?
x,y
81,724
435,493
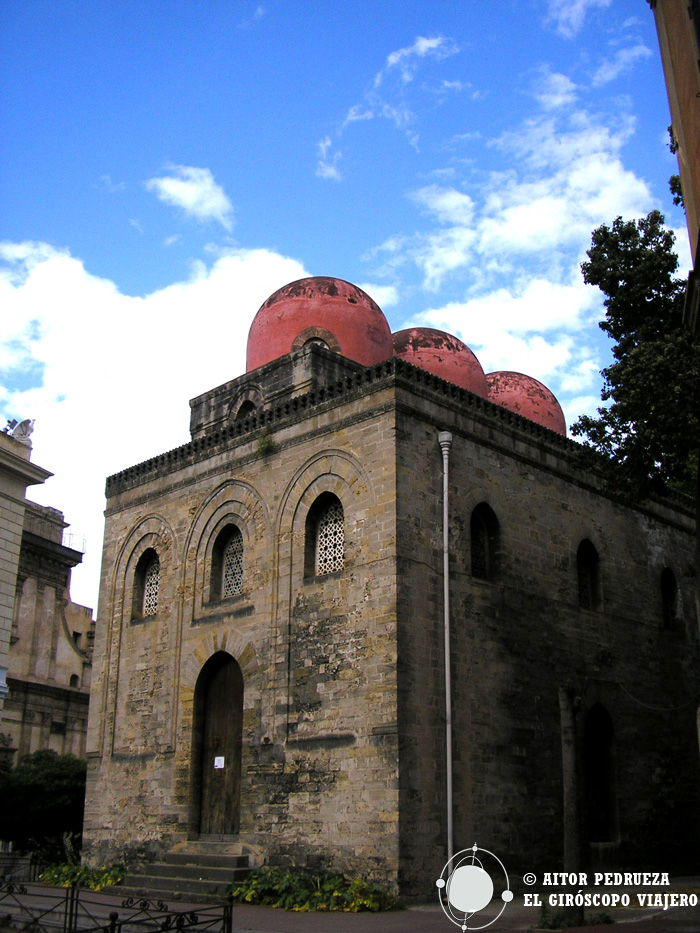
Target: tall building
x,y
678,28
16,473
270,658
50,654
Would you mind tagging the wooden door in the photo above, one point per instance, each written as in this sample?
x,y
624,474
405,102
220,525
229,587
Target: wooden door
x,y
221,683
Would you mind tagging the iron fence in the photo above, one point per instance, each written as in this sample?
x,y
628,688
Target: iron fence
x,y
19,867
34,908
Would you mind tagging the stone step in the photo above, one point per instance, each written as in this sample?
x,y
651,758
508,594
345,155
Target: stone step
x,y
193,858
223,874
170,898
167,889
203,869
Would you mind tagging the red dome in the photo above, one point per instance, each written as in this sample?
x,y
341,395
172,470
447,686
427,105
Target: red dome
x,y
527,397
340,314
442,355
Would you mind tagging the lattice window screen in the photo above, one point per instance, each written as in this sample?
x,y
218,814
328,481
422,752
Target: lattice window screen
x,y
330,540
233,566
151,586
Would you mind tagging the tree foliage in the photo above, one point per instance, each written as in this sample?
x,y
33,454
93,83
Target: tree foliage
x,y
649,428
42,801
674,182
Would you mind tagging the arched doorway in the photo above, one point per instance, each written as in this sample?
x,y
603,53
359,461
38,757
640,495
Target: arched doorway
x,y
218,730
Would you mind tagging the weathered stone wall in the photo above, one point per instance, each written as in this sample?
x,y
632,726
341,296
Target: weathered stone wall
x,y
50,646
319,768
519,636
295,374
343,748
16,473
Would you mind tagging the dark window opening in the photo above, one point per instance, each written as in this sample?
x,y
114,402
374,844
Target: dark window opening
x,y
247,408
588,572
484,533
317,342
669,599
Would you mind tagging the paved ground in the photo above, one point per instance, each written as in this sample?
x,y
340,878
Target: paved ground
x,y
432,920
426,919
515,916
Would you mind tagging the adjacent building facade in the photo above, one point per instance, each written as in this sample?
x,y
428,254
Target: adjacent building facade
x,y
269,664
678,28
50,654
16,473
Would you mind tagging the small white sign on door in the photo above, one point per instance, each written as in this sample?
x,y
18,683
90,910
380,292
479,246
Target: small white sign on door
x,y
218,762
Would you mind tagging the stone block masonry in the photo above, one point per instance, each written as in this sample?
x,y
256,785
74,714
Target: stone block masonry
x,y
329,747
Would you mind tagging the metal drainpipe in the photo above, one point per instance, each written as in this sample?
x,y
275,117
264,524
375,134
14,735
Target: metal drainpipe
x,y
445,440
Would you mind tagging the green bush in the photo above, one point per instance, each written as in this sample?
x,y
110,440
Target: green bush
x,y
304,890
67,876
42,804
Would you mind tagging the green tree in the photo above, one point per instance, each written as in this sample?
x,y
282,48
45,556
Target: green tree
x,y
43,800
674,182
649,428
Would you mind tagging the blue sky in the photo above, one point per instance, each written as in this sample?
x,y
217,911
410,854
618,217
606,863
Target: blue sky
x,y
167,165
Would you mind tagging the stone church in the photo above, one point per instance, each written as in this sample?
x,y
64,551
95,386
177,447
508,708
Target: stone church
x,y
269,663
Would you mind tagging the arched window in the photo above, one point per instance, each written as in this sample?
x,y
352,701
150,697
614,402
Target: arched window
x,y
599,771
74,680
246,409
484,534
151,587
317,342
316,335
146,585
669,599
588,573
227,564
325,536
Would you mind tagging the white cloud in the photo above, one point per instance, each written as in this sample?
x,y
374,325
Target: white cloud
x,y
327,166
387,97
195,192
405,61
117,371
566,177
533,327
509,244
621,63
554,90
356,113
568,16
447,204
386,296
523,311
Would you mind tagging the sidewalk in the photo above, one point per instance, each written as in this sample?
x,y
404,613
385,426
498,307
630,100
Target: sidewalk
x,y
424,919
431,919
